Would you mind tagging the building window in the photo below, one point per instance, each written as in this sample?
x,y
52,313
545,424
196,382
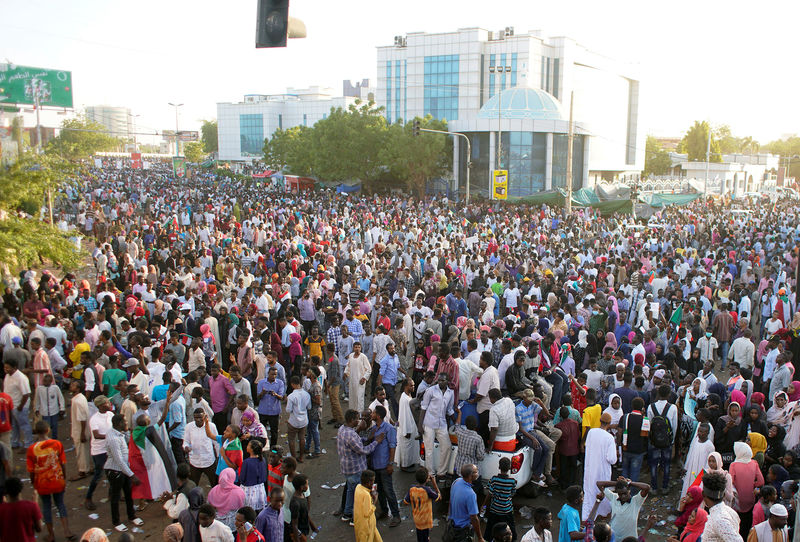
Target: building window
x,y
405,89
513,70
555,78
324,116
389,90
251,134
397,90
560,161
280,121
503,75
441,87
491,76
525,155
305,119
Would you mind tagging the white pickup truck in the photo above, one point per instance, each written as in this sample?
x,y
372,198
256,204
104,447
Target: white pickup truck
x,y
521,459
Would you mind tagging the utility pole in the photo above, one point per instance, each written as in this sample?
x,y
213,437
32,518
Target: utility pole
x,y
569,155
177,137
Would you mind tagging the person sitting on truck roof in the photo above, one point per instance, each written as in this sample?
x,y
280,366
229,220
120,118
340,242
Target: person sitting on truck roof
x,y
502,418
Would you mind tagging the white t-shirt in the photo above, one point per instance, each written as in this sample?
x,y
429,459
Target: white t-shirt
x,y
489,379
511,295
100,422
502,415
593,379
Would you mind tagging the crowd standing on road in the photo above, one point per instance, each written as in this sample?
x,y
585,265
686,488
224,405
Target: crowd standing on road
x,y
451,331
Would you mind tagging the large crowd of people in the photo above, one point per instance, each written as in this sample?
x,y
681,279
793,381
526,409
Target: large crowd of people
x,y
219,315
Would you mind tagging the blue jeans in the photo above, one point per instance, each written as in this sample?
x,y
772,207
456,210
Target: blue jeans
x,y
559,381
52,421
352,482
312,432
99,461
21,427
539,454
47,506
632,465
386,494
656,457
723,352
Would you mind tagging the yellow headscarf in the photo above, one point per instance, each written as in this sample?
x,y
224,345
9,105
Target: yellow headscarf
x,y
757,443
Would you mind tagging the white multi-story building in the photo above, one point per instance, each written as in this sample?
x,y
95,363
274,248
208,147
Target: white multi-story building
x,y
472,77
117,120
243,126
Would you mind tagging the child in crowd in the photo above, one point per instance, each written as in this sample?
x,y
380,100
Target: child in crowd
x,y
767,496
49,403
252,477
274,477
570,516
420,496
500,508
578,389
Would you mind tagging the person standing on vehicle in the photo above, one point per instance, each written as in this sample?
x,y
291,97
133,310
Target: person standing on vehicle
x,y
436,407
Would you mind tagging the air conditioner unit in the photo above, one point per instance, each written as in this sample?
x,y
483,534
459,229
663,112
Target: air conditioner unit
x,y
399,41
509,31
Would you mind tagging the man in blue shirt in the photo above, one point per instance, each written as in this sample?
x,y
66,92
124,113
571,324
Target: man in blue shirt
x,y
387,377
269,395
383,464
464,506
176,423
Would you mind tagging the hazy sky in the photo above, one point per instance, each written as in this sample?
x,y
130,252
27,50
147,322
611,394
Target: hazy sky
x,y
728,62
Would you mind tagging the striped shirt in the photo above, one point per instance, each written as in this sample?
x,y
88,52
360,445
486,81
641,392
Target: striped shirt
x,y
274,479
502,487
471,449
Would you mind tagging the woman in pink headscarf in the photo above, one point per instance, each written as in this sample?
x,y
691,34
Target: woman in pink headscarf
x,y
611,341
226,497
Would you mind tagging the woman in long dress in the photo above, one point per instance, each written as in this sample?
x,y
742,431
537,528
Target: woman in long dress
x,y
227,497
364,510
697,457
149,458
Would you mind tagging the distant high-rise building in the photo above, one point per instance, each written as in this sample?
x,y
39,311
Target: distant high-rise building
x,y
117,120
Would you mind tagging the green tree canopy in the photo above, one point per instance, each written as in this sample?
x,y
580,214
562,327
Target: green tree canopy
x,y
416,159
80,138
656,158
290,150
786,148
193,151
730,144
25,186
208,132
695,141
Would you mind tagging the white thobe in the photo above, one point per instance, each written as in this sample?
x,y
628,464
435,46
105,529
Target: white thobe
x,y
357,368
601,454
407,453
696,461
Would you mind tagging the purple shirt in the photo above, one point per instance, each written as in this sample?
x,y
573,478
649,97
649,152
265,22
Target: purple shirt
x,y
307,311
221,389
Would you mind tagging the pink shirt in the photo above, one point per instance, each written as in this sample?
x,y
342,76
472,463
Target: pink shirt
x,y
221,389
746,477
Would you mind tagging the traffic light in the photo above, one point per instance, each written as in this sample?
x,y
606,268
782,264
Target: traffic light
x,y
272,23
415,130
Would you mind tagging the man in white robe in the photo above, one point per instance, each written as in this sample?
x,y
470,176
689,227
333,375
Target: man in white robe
x,y
774,529
601,455
358,370
699,450
407,453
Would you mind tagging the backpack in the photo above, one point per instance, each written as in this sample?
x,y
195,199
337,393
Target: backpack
x,y
660,429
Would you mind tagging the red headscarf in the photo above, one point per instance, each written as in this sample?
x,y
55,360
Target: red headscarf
x,y
695,495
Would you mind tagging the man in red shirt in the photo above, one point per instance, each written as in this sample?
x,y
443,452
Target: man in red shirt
x,y
19,519
6,406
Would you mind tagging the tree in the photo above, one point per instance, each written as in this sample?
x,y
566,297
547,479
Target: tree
x,y
787,148
656,158
415,159
346,145
695,141
209,131
81,138
193,151
290,150
730,144
25,239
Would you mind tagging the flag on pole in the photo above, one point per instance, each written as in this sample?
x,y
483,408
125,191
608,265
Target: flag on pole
x,y
677,316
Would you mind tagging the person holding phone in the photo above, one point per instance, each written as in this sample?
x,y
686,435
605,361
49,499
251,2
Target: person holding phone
x,y
245,531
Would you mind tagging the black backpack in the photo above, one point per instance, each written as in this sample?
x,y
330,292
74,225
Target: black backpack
x,y
660,428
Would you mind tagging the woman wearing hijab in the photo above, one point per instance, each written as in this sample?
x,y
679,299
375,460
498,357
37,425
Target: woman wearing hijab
x,y
188,518
694,528
580,350
173,533
611,341
227,498
687,505
794,390
746,477
780,412
755,421
697,457
776,476
776,449
729,429
614,409
714,464
758,444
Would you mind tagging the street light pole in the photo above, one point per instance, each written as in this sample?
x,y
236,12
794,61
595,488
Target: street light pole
x,y
469,151
177,138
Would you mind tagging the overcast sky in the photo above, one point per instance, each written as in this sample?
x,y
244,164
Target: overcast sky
x,y
728,62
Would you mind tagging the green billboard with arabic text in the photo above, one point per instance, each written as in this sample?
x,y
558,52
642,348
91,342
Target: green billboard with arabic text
x,y
21,84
